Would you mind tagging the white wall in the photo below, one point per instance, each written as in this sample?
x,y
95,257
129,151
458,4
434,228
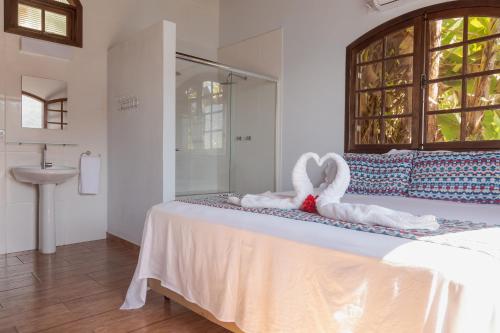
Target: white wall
x,y
80,218
316,34
197,22
141,141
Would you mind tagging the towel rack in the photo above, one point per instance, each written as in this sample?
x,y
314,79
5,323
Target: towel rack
x,y
88,153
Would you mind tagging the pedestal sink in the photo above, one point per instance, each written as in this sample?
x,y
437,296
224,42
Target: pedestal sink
x,y
46,179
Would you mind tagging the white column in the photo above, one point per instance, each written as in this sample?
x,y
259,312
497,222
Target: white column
x,y
46,219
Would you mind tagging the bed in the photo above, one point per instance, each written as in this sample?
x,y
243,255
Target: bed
x,y
257,272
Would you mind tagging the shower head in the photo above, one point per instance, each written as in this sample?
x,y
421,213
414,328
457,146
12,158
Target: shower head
x,y
229,80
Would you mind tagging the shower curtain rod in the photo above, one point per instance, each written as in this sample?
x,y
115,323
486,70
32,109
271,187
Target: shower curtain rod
x,y
211,63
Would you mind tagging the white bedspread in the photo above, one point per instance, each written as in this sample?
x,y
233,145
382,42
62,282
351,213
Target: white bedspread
x,y
271,274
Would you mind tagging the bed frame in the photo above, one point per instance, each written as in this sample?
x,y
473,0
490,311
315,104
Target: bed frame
x,y
155,285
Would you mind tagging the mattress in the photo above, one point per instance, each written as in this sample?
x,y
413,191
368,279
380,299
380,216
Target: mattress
x,y
273,274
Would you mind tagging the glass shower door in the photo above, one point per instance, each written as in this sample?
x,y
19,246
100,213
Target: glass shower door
x,y
202,129
253,131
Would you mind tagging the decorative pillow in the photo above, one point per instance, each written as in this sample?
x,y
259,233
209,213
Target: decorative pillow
x,y
380,174
464,177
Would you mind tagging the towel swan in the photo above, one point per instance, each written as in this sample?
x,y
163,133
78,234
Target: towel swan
x,y
328,202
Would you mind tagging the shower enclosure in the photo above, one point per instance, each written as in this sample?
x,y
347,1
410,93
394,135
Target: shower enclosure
x,y
225,129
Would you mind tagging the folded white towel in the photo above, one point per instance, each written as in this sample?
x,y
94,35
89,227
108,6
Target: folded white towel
x,y
377,215
90,169
328,205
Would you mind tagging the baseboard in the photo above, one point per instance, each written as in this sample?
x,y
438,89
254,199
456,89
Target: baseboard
x,y
124,242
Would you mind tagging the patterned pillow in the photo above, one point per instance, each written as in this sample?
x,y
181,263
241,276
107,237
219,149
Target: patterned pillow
x,y
380,174
464,177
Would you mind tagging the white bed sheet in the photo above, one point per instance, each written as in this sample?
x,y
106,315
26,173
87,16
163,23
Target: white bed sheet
x,y
271,274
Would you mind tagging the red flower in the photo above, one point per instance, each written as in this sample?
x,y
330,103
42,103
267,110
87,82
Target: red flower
x,y
309,205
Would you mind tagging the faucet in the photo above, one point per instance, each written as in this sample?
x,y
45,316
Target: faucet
x,y
45,164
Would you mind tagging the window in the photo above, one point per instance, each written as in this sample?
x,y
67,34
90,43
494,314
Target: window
x,y
213,114
55,117
58,21
427,80
204,117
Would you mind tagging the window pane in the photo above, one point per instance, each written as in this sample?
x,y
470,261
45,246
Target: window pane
x,y
217,140
368,131
207,88
445,95
398,101
370,76
443,127
32,112
55,23
398,130
398,71
217,121
446,63
206,105
217,88
400,42
207,140
372,52
483,90
482,125
484,56
194,107
483,26
63,1
208,122
446,31
30,17
369,104
217,107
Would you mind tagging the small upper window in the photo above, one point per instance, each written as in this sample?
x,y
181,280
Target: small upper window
x,y
58,21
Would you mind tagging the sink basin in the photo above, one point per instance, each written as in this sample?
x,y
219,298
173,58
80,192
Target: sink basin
x,y
46,179
36,175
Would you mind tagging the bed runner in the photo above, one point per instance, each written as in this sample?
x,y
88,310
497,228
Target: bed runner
x,y
441,236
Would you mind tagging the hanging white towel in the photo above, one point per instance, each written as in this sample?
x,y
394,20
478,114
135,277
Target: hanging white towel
x,y
90,170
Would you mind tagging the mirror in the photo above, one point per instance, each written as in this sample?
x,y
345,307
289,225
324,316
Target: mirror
x,y
44,103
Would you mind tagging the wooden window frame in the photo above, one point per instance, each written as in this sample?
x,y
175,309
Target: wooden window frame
x,y
61,112
419,19
74,23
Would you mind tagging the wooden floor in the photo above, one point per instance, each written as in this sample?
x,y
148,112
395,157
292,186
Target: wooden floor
x,y
80,289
